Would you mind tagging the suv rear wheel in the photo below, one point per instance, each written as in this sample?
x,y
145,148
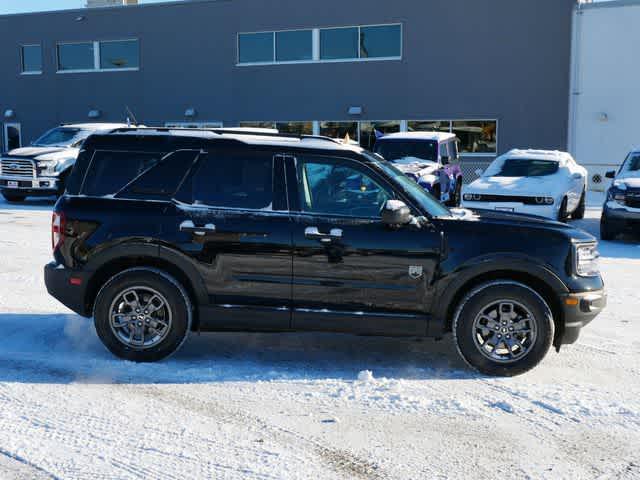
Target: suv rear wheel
x,y
503,328
142,315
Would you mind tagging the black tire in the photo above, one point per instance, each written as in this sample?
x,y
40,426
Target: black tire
x,y
606,232
178,304
578,213
14,198
436,192
562,213
476,302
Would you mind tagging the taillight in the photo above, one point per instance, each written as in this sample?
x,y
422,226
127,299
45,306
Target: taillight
x,y
57,230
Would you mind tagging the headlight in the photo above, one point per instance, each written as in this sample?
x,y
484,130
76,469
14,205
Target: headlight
x,y
47,167
587,260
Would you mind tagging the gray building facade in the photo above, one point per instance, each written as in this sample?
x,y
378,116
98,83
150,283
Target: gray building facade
x,y
497,72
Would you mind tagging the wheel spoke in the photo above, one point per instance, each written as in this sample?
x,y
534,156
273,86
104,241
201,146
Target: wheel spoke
x,y
133,320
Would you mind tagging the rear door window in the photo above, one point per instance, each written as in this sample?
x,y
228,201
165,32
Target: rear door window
x,y
110,171
232,179
162,180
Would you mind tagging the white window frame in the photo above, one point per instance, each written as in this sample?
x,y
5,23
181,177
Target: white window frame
x,y
316,53
96,57
30,72
5,131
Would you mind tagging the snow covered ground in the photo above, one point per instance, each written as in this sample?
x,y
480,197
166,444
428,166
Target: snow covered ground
x,y
305,405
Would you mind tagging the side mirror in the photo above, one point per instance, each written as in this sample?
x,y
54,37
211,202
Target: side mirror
x,y
395,213
610,174
479,172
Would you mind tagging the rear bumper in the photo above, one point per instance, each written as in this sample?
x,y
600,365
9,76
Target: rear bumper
x,y
58,281
579,310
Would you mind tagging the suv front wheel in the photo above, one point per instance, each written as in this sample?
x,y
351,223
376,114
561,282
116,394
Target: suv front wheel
x,y
142,315
503,328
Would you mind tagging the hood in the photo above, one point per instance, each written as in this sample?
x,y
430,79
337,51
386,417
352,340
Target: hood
x,y
632,179
496,218
44,153
515,185
416,166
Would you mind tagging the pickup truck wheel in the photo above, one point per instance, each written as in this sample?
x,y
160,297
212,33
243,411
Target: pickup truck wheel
x,y
142,315
503,328
14,198
606,232
456,196
578,214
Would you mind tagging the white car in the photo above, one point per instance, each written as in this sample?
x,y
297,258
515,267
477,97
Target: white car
x,y
536,182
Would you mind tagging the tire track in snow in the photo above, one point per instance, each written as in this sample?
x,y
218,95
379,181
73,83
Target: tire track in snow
x,y
35,472
341,461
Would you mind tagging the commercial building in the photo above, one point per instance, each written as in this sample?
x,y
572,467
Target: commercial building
x,y
495,72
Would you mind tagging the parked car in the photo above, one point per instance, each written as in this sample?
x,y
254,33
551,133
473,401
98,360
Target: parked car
x,y
160,233
42,168
621,211
430,158
538,182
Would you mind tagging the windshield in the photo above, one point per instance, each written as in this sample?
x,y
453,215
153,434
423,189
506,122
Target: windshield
x,y
62,137
523,167
407,151
632,164
411,188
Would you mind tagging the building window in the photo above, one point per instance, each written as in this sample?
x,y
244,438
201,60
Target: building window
x,y
359,43
477,136
76,56
339,44
340,130
256,47
294,46
295,128
430,126
371,131
384,41
31,57
119,54
99,56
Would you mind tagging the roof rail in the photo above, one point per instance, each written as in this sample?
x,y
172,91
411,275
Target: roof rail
x,y
231,131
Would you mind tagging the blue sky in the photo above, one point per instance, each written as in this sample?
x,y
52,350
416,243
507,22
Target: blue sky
x,y
17,6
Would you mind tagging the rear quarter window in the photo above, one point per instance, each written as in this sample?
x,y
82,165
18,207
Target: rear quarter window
x,y
110,171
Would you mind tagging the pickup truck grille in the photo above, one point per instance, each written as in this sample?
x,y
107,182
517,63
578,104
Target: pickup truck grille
x,y
17,168
633,199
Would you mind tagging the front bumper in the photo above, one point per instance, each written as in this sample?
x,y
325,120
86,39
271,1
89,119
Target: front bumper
x,y
579,309
58,281
620,216
548,211
29,186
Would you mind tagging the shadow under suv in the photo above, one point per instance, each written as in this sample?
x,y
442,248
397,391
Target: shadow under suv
x,y
163,232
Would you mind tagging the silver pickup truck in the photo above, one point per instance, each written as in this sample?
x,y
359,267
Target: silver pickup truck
x,y
42,168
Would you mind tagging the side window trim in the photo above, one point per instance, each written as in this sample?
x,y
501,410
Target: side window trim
x,y
358,166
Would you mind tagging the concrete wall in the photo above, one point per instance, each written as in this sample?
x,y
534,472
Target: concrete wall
x,y
502,59
606,91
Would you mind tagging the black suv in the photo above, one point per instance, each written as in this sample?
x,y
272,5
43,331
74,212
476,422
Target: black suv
x,y
162,232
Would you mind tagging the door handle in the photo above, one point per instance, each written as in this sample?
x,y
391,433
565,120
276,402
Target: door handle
x,y
189,227
312,233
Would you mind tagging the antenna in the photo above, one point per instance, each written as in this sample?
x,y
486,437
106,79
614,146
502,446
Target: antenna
x,y
131,115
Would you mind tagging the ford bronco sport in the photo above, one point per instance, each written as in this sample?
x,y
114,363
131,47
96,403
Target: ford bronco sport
x,y
163,232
